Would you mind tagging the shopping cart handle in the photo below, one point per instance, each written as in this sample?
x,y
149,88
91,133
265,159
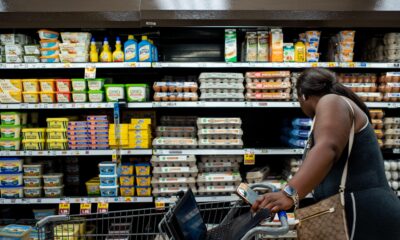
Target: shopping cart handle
x,y
275,231
263,186
52,219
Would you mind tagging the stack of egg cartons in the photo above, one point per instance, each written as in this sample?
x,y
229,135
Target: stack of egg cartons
x,y
139,133
218,174
57,133
391,47
363,84
127,180
75,46
15,47
221,87
10,91
273,85
33,187
297,135
392,132
98,129
123,136
11,178
293,80
220,132
143,179
378,124
172,174
176,89
108,179
10,131
50,51
176,132
390,86
392,171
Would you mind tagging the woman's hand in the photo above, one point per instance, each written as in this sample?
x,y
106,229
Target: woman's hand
x,y
275,202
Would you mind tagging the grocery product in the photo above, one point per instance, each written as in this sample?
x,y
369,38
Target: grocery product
x,y
108,180
10,131
95,84
11,192
276,45
273,85
53,180
143,191
10,165
33,144
137,92
14,231
106,55
114,92
262,46
79,96
57,122
32,181
127,191
30,85
32,192
10,144
221,86
118,54
230,45
93,187
145,50
174,142
47,97
76,37
171,131
11,179
45,34
107,168
131,50
54,192
33,133
109,191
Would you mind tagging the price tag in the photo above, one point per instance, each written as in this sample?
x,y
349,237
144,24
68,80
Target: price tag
x,y
67,65
331,64
90,71
64,208
102,207
352,65
114,157
314,65
249,157
160,205
86,208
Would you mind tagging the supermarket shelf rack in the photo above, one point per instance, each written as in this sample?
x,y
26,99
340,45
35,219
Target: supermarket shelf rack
x,y
77,200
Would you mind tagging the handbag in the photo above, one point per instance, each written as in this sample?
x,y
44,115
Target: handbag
x,y
326,219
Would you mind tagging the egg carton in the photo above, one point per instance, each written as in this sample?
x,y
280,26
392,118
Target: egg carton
x,y
219,178
178,120
288,90
174,161
390,77
221,158
175,86
376,113
225,91
221,78
219,123
389,87
175,171
223,133
269,85
231,97
268,75
218,167
172,131
377,123
170,191
362,87
392,132
391,97
257,174
370,96
176,96
391,143
174,142
216,190
166,182
221,143
267,96
392,126
208,85
357,78
391,120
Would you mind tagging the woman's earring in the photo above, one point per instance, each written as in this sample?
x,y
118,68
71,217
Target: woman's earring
x,y
303,97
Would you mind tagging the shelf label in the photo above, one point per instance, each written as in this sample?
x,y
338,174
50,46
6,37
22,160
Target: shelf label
x,y
249,157
332,64
64,208
314,65
396,151
102,207
159,204
86,208
90,71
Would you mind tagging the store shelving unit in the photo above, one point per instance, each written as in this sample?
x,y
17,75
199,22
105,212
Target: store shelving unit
x,y
77,200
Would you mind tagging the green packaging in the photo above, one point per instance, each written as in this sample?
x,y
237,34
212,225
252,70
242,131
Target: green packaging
x,y
114,92
96,84
79,84
230,45
96,96
137,92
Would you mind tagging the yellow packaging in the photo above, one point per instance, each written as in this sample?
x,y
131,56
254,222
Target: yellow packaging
x,y
127,169
127,191
121,146
11,85
56,133
30,97
141,121
10,96
33,144
57,123
139,127
142,169
67,231
47,97
113,141
143,191
276,45
33,133
57,144
127,180
31,85
123,127
93,187
47,85
143,181
140,146
299,52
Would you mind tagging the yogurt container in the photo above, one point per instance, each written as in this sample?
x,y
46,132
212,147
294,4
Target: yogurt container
x,y
33,144
33,192
142,169
63,97
33,133
10,179
47,85
108,180
10,131
31,85
10,165
45,34
53,180
10,144
127,191
108,168
79,96
32,181
127,180
30,97
143,181
54,192
96,96
11,192
137,92
95,84
47,97
109,191
79,84
143,191
63,85
49,43
10,118
114,92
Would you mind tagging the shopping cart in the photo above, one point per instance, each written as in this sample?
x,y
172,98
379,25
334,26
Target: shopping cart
x,y
144,224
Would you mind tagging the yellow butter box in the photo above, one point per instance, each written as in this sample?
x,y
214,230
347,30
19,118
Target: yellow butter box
x,y
13,85
141,121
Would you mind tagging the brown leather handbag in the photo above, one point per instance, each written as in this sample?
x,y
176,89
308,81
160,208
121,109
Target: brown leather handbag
x,y
326,220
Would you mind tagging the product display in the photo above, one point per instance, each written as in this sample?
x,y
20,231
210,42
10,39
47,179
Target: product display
x,y
268,86
221,87
10,138
392,170
220,132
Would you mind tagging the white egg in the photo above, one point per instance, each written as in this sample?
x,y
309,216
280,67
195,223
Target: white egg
x,y
390,184
388,175
395,175
387,165
395,185
398,164
393,165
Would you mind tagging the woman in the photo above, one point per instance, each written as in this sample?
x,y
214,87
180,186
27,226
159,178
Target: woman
x,y
375,211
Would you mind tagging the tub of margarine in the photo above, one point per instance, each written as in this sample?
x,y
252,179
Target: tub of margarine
x,y
96,96
126,180
10,118
49,43
49,52
53,180
93,187
47,97
79,96
143,191
30,97
56,133
57,144
143,181
31,85
57,122
63,97
45,34
33,133
95,84
127,191
10,131
47,85
11,97
126,169
114,92
10,179
10,144
142,169
32,181
33,144
32,192
11,192
11,165
11,85
63,85
78,84
51,59
33,170
52,192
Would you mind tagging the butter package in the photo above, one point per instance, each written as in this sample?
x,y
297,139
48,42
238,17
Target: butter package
x,y
14,50
14,59
276,45
32,58
32,49
97,118
138,121
230,45
31,85
13,85
11,97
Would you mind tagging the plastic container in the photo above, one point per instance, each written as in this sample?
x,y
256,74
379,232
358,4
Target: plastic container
x,y
10,131
127,191
126,169
10,144
32,192
30,97
76,37
96,96
108,180
63,85
62,97
53,180
143,191
32,181
15,232
11,192
54,192
114,92
79,96
10,165
79,84
54,59
47,85
47,97
56,133
93,187
10,179
107,168
57,122
34,144
10,118
31,85
109,191
142,169
45,34
50,52
33,133
95,84
126,180
33,170
143,181
137,92
31,58
49,43
57,144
